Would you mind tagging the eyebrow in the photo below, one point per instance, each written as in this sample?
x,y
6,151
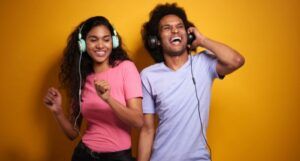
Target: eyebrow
x,y
180,23
93,36
165,25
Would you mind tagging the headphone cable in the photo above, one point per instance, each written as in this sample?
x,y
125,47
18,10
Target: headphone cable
x,y
198,104
79,93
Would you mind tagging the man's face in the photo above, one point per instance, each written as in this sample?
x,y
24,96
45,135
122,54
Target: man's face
x,y
173,36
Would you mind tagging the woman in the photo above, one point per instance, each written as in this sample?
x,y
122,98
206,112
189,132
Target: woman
x,y
96,70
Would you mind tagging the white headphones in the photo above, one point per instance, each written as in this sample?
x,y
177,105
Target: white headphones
x,y
82,43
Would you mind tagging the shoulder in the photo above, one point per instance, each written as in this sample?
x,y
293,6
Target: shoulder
x,y
125,66
151,69
125,63
204,57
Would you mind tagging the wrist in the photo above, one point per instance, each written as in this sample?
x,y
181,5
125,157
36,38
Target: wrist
x,y
58,112
108,99
202,41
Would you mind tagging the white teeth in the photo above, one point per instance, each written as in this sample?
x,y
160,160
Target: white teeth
x,y
100,53
176,39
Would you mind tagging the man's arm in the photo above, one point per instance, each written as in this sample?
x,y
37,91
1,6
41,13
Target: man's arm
x,y
229,60
146,138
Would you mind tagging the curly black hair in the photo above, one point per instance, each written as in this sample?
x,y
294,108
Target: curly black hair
x,y
69,69
151,28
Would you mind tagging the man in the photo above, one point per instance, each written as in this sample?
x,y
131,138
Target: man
x,y
178,87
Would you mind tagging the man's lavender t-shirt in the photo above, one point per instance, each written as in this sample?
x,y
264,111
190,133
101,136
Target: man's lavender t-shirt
x,y
105,131
171,95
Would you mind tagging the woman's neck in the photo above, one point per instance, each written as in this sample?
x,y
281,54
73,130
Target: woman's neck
x,y
101,67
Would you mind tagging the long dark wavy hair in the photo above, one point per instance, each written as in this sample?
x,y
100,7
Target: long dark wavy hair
x,y
69,69
151,28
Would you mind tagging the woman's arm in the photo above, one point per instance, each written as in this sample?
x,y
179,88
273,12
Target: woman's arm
x,y
131,114
52,101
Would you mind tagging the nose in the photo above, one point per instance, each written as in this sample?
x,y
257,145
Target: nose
x,y
99,44
174,30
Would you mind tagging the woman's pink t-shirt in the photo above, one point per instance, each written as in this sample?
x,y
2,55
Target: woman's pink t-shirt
x,y
105,131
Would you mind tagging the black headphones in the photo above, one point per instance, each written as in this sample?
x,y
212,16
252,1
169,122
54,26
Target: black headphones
x,y
153,41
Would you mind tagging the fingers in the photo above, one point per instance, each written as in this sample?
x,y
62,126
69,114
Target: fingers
x,y
200,38
54,91
51,95
100,89
102,86
195,31
48,101
190,30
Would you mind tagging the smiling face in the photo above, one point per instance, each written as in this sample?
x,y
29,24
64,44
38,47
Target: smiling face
x,y
173,35
99,44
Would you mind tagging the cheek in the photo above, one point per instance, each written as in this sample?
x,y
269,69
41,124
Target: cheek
x,y
108,45
90,45
164,39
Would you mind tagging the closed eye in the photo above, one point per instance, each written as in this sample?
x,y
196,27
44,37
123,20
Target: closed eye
x,y
166,27
92,38
180,26
107,38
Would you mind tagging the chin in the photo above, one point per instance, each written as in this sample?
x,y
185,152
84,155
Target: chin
x,y
99,61
177,52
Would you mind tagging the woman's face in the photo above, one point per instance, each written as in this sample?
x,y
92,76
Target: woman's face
x,y
99,44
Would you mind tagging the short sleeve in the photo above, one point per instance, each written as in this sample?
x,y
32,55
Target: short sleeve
x,y
211,62
132,80
148,101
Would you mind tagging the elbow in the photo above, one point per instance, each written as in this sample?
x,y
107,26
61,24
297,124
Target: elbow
x,y
241,61
72,138
238,62
139,122
139,125
148,130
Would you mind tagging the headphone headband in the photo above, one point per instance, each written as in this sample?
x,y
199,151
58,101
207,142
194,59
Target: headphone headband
x,y
82,43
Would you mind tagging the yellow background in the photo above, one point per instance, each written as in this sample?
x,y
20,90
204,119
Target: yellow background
x,y
254,113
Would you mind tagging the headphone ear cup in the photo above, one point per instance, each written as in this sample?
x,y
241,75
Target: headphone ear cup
x,y
82,45
115,41
191,38
153,42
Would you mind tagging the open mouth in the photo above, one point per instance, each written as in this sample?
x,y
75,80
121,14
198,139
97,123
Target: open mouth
x,y
100,53
175,40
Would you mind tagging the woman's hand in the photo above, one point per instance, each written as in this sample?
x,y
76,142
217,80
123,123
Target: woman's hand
x,y
103,89
52,100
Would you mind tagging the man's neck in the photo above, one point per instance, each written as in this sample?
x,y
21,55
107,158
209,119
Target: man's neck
x,y
175,62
